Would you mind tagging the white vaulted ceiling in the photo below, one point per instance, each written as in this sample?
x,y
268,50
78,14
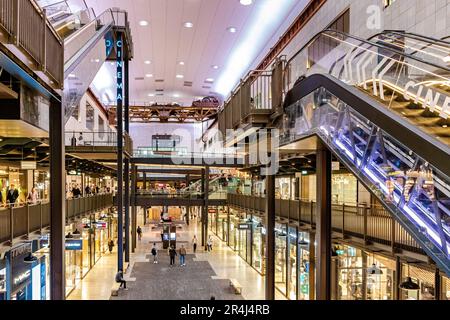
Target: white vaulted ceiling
x,y
166,42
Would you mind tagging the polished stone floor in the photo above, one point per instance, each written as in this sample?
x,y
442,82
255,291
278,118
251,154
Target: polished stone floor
x,y
206,273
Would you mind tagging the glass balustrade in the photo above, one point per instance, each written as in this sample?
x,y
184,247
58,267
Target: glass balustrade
x,y
414,88
417,193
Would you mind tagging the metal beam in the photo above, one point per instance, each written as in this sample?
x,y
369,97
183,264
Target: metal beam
x,y
57,202
323,224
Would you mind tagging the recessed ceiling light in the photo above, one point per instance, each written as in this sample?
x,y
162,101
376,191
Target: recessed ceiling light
x,y
151,95
72,75
149,75
147,62
176,95
246,2
180,76
445,126
231,29
215,67
143,23
209,80
188,24
181,63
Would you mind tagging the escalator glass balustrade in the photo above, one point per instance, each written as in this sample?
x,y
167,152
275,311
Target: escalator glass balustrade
x,y
406,84
414,191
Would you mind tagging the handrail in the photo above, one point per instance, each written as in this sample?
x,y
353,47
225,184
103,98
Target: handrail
x,y
21,220
365,42
86,26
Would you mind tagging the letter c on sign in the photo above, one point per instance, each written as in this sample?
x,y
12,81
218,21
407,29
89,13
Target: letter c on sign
x,y
119,44
406,94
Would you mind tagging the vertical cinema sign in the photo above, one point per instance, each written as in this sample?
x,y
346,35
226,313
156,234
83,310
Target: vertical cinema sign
x,y
119,59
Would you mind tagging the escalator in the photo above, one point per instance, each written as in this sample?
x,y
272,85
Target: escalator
x,y
384,113
88,43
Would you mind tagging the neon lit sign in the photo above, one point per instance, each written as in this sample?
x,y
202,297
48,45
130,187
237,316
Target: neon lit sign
x,y
119,46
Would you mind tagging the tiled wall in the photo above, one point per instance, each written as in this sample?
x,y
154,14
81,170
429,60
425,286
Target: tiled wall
x,y
426,17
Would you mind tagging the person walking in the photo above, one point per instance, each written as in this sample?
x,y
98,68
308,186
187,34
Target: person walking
x,y
194,243
155,253
172,255
182,256
120,279
209,244
139,232
110,246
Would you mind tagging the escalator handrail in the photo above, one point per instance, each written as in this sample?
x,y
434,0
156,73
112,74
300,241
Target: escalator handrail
x,y
73,35
430,149
73,62
364,41
415,36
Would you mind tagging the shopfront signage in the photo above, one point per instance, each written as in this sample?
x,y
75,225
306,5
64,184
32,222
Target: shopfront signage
x,y
101,224
244,226
20,271
119,97
28,165
74,245
21,278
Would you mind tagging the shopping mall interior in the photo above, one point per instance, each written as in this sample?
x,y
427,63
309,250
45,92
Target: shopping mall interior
x,y
224,150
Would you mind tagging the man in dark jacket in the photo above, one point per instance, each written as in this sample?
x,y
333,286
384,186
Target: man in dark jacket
x,y
12,194
119,279
172,254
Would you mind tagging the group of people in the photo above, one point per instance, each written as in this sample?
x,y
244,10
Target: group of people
x,y
12,196
75,191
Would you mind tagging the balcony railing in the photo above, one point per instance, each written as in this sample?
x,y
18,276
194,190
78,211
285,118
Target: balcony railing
x,y
27,27
97,139
22,220
369,223
253,101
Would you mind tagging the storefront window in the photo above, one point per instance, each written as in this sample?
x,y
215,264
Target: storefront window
x,y
232,234
303,266
424,278
259,245
344,188
292,279
280,257
350,273
283,188
445,292
380,278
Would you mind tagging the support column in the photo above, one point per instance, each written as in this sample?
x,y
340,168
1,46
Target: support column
x,y
323,223
133,207
119,153
206,216
270,237
312,267
203,208
127,164
126,175
57,202
437,285
188,213
144,187
398,278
